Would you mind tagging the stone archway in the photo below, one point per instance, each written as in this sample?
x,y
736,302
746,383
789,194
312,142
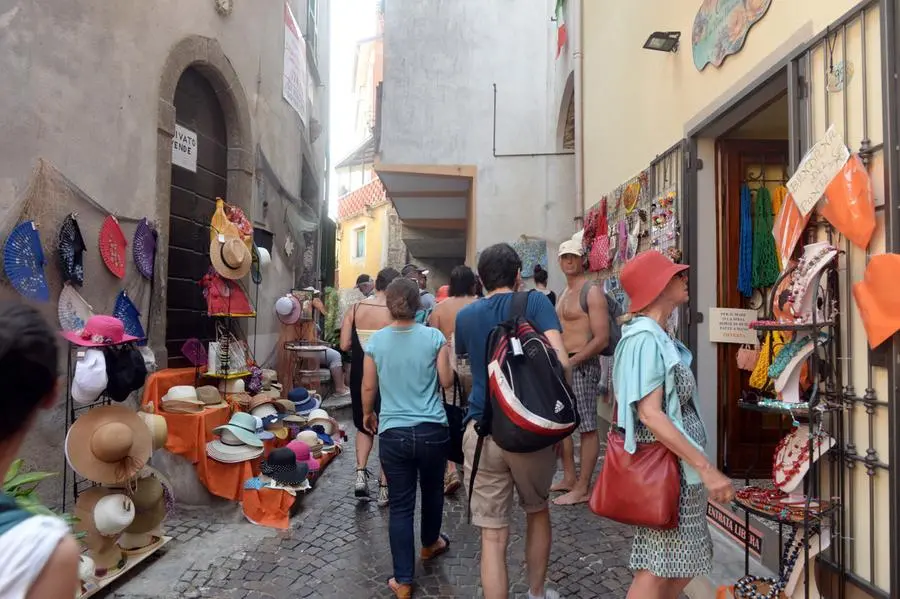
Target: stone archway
x,y
207,57
565,126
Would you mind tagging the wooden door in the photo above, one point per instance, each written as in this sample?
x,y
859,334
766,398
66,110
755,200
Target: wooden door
x,y
193,201
749,438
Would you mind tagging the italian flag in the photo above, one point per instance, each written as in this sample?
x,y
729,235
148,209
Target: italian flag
x,y
562,33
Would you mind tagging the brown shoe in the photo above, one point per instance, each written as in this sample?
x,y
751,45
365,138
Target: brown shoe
x,y
451,482
401,591
440,547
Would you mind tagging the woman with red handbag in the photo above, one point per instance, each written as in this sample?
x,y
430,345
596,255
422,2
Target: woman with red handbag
x,y
655,470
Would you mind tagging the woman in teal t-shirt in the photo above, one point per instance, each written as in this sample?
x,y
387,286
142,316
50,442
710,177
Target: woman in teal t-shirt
x,y
409,363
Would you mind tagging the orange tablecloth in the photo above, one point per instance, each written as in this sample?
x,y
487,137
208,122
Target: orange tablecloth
x,y
188,433
268,507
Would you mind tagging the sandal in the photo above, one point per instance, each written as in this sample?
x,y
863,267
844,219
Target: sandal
x,y
435,550
401,590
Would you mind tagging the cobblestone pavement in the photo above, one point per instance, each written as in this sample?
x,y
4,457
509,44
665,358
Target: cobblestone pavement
x,y
338,548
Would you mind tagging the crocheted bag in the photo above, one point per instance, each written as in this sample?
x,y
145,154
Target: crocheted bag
x,y
598,259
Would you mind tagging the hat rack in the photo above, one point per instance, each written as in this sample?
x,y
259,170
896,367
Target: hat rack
x,y
814,507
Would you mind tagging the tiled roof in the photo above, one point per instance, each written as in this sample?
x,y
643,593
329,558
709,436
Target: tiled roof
x,y
364,154
370,195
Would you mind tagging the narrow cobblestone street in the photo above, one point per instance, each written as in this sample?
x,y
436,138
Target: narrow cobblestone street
x,y
338,547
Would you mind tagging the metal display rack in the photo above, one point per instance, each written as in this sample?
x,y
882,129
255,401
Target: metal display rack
x,y
78,482
820,512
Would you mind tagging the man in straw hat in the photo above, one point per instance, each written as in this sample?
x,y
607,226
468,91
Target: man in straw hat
x,y
38,557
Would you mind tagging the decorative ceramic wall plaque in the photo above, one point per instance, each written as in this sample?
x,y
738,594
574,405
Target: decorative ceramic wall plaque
x,y
721,28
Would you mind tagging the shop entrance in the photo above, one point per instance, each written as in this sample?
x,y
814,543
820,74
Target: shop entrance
x,y
752,165
193,201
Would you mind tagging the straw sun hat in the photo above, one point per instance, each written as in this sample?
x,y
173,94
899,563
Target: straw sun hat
x,y
230,257
108,444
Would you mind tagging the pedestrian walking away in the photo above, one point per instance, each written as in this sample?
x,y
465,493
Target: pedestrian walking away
x,y
461,294
584,316
499,471
656,397
360,322
408,363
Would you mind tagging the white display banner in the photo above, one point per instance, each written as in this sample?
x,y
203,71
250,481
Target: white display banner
x,y
820,165
184,148
732,325
295,77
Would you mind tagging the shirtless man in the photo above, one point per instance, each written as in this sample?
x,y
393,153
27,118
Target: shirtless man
x,y
461,294
585,334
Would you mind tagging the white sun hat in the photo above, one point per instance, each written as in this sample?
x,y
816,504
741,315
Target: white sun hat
x,y
90,378
113,514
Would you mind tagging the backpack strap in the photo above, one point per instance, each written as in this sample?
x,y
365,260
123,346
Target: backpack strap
x,y
11,514
583,296
519,304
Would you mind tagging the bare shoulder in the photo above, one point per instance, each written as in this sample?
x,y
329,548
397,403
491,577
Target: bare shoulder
x,y
596,297
59,577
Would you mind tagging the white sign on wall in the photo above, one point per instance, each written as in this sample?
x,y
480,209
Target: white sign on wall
x,y
820,165
295,77
184,148
732,325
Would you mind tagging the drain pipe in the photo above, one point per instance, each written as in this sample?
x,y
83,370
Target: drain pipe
x,y
578,92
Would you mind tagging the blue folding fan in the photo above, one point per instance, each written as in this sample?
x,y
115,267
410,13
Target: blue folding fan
x,y
130,316
23,262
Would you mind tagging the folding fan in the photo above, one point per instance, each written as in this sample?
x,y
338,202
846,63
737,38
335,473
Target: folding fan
x,y
23,262
194,351
127,312
73,310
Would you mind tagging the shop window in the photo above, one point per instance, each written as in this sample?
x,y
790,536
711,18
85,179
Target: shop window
x,y
359,243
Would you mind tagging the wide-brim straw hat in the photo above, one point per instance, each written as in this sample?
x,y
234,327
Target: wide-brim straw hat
x,y
159,428
230,257
210,396
149,506
232,454
108,444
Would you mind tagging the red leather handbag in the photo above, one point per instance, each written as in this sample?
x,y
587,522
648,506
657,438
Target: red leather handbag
x,y
641,488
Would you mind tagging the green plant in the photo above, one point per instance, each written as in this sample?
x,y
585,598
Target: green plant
x,y
22,486
332,311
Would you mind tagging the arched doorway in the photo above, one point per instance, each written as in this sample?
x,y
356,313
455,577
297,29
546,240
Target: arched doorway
x,y
194,187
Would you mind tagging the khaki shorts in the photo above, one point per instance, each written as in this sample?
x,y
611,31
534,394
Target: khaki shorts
x,y
531,474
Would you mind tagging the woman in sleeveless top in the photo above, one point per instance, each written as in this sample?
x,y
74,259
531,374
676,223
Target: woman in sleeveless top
x,y
38,557
462,293
360,322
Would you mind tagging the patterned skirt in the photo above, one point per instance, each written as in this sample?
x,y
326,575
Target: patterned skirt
x,y
683,552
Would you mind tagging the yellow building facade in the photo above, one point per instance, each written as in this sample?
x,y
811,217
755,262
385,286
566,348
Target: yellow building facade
x,y
364,233
697,135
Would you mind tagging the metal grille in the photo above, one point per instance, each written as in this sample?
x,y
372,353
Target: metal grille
x,y
840,84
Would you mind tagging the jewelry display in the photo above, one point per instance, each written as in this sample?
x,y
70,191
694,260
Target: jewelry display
x,y
792,456
816,256
799,311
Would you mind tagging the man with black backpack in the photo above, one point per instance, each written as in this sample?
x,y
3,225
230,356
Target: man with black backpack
x,y
584,314
519,407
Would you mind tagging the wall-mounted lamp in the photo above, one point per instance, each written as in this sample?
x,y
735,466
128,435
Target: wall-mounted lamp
x,y
663,41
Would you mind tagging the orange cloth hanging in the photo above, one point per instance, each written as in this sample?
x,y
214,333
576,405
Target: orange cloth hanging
x,y
268,507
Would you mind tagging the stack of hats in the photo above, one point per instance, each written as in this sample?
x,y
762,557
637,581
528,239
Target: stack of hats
x,y
304,401
238,440
285,470
109,365
303,454
103,515
265,408
210,397
313,442
182,399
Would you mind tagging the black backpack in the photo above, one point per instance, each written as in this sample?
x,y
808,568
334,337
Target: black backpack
x,y
529,405
615,309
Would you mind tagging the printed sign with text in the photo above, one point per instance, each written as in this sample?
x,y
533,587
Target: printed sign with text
x,y
184,148
820,165
732,325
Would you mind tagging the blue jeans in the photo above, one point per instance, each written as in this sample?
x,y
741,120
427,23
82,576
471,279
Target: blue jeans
x,y
410,455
